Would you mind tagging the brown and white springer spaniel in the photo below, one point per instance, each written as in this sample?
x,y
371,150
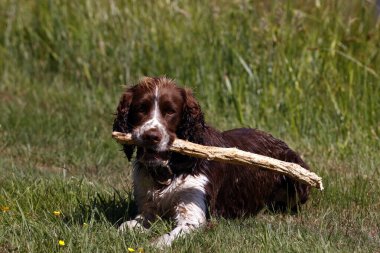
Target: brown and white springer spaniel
x,y
189,190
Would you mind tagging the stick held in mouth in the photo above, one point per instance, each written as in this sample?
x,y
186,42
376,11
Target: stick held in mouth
x,y
236,156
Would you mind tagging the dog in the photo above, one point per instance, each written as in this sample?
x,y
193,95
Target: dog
x,y
190,190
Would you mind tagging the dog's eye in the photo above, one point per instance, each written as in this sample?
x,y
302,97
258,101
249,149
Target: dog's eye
x,y
142,108
170,112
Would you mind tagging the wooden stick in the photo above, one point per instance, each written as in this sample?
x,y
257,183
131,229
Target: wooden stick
x,y
236,156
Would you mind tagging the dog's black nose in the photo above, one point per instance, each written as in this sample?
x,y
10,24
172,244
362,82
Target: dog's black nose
x,y
152,136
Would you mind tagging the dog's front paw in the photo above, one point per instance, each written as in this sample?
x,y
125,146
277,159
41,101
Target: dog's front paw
x,y
163,241
131,225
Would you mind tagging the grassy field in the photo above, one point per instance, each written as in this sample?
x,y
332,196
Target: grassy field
x,y
306,71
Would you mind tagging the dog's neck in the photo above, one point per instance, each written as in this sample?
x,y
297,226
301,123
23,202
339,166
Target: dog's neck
x,y
177,165
162,175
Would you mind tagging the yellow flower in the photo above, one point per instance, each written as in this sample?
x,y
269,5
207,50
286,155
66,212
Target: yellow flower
x,y
57,213
131,250
61,243
5,208
140,250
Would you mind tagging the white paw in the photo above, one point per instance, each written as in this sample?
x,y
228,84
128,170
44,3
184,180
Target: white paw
x,y
163,241
131,225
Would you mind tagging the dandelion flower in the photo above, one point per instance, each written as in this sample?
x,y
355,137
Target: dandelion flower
x,y
61,243
57,213
5,208
131,250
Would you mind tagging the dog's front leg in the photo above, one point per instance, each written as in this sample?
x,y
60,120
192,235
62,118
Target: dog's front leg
x,y
190,215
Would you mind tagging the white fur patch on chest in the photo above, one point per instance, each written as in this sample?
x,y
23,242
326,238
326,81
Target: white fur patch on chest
x,y
185,189
181,185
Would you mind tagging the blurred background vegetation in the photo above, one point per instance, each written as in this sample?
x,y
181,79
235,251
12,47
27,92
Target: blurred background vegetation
x,y
306,71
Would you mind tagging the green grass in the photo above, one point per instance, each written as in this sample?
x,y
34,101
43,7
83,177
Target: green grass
x,y
306,71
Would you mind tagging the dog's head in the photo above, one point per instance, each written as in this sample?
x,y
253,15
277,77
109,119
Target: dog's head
x,y
156,111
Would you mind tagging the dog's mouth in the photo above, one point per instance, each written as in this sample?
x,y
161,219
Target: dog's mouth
x,y
153,158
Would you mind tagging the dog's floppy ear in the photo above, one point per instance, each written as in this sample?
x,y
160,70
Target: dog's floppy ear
x,y
120,123
192,122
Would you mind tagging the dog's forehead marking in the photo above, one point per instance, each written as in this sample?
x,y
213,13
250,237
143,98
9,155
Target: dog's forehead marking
x,y
154,120
156,93
156,108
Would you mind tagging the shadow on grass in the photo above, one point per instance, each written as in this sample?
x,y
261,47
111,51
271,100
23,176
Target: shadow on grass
x,y
114,209
121,207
